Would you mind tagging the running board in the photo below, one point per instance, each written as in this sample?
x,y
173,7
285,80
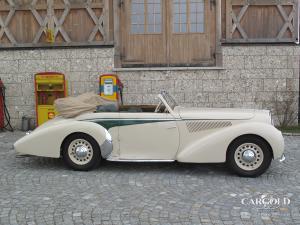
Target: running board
x,y
116,159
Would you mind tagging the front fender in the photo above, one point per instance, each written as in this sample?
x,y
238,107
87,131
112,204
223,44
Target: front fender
x,y
46,140
212,148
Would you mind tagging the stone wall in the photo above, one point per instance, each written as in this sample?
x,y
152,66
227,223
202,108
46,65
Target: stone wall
x,y
251,77
82,68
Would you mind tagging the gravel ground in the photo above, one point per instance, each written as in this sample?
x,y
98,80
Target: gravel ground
x,y
43,191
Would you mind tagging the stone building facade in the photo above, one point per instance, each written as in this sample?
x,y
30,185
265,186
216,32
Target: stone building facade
x,y
252,76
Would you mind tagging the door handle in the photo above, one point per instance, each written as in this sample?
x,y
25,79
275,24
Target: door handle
x,y
171,127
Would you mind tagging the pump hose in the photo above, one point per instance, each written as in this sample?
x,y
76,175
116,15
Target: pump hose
x,y
7,126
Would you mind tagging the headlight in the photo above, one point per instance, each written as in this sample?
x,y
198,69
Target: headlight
x,y
108,136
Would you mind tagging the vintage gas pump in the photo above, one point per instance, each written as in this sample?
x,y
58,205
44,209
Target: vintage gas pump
x,y
49,86
4,114
111,87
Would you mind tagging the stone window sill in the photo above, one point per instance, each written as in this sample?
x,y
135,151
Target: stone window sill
x,y
166,69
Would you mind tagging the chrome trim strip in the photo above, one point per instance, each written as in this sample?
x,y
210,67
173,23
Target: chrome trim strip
x,y
115,159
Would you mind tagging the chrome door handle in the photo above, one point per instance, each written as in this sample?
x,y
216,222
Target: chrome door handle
x,y
171,127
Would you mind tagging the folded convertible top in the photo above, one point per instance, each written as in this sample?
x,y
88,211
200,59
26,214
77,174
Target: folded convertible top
x,y
74,106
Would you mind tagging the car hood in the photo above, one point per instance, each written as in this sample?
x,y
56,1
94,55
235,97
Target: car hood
x,y
216,113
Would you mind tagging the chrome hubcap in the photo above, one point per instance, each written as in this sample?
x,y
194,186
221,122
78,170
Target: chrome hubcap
x,y
80,151
249,156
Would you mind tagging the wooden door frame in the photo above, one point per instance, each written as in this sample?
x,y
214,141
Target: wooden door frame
x,y
118,4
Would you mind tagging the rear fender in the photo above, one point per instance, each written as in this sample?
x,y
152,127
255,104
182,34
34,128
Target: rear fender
x,y
47,141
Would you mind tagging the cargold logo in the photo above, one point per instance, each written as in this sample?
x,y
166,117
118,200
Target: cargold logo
x,y
266,201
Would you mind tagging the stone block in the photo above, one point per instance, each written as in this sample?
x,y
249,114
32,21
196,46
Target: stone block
x,y
56,53
33,66
183,75
81,53
188,85
274,84
28,54
212,85
256,73
262,96
9,66
218,97
280,50
7,55
236,96
275,62
233,86
13,90
283,73
79,65
253,62
234,50
234,62
210,75
162,85
293,62
253,85
139,87
58,65
102,52
256,50
292,85
196,97
27,89
230,74
105,64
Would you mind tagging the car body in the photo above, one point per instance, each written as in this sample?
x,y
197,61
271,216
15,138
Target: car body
x,y
168,133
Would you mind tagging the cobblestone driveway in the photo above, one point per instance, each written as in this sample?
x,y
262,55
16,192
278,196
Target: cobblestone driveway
x,y
42,191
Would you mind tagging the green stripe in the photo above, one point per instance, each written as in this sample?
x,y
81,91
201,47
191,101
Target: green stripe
x,y
107,124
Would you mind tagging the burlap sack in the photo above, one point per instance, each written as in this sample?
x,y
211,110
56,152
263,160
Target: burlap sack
x,y
73,106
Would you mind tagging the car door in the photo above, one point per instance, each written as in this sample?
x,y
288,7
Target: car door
x,y
148,136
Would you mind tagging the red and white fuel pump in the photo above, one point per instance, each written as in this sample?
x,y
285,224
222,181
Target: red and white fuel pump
x,y
4,115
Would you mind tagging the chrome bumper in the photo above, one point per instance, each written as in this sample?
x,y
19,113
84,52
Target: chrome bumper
x,y
282,158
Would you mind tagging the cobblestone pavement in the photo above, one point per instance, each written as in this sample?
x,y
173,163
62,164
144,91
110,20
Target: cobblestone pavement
x,y
43,191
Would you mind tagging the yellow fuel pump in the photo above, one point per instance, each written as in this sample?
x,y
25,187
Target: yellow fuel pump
x,y
111,87
49,86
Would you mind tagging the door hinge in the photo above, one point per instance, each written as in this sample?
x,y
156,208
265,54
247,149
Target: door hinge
x,y
121,3
212,4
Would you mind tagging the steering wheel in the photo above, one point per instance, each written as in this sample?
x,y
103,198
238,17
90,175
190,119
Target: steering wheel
x,y
158,107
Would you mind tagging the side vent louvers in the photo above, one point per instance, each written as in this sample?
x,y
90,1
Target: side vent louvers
x,y
195,126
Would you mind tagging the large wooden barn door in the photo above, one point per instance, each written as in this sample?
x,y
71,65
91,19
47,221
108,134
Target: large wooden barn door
x,y
167,32
191,32
143,35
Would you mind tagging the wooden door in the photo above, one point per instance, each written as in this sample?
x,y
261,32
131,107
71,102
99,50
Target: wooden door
x,y
191,32
143,36
167,33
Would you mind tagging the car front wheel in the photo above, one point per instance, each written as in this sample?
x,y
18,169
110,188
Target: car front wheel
x,y
249,156
81,152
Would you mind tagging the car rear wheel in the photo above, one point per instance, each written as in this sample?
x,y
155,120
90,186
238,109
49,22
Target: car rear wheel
x,y
81,152
249,156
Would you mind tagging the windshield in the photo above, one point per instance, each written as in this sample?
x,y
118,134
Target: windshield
x,y
169,99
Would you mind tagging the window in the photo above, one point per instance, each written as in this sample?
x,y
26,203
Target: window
x,y
180,16
188,16
137,17
146,16
197,16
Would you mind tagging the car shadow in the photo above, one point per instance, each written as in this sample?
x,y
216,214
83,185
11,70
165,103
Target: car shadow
x,y
40,163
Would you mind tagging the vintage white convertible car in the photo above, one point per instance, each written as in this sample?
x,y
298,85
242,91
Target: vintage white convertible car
x,y
245,139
